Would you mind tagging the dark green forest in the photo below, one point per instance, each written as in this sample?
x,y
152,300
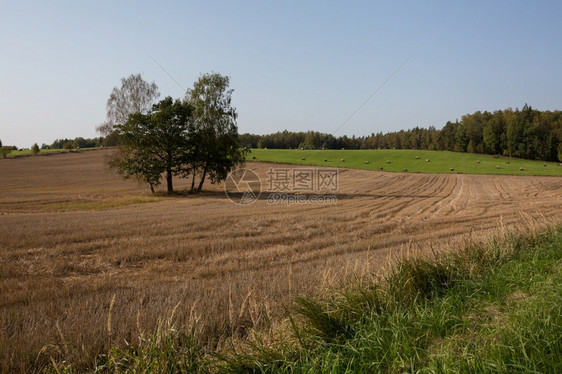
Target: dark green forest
x,y
522,133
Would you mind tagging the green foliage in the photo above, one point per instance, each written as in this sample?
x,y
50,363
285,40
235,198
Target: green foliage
x,y
75,143
5,150
35,149
215,134
155,143
198,136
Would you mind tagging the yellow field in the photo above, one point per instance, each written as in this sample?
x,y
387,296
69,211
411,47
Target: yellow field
x,y
88,261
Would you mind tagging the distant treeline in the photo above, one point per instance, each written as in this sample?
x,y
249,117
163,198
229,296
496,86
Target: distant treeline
x,y
80,142
525,133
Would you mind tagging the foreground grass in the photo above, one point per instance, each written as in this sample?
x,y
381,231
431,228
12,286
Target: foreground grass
x,y
486,308
440,162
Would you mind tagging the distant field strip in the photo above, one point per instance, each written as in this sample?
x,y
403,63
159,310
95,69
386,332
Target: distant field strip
x,y
61,263
400,160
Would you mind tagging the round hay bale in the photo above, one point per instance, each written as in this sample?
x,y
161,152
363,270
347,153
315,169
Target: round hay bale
x,y
388,161
404,170
521,168
325,160
417,157
381,168
253,157
452,169
477,161
497,166
427,160
366,162
507,162
543,164
342,160
303,158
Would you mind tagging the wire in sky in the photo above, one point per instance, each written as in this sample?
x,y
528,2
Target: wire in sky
x,y
166,71
373,94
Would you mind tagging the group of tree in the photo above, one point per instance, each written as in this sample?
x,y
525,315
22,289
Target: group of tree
x,y
5,149
80,142
196,136
525,133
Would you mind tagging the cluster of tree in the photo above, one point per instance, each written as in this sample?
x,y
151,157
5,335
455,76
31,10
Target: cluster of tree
x,y
5,149
102,141
305,140
525,133
196,136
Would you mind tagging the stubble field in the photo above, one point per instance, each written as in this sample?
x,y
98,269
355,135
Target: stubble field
x,y
89,261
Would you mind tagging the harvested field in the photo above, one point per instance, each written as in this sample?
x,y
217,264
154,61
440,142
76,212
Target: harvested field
x,y
88,260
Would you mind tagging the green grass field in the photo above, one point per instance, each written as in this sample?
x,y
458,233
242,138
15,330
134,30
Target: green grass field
x,y
440,162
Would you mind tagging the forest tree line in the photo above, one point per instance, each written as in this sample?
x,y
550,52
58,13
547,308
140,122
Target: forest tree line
x,y
525,133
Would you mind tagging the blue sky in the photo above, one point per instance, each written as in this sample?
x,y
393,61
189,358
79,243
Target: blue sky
x,y
294,65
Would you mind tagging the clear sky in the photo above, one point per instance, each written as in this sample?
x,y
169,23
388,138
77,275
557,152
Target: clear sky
x,y
296,65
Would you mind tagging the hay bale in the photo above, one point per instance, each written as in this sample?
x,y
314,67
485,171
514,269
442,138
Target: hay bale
x,y
342,160
452,169
521,168
366,162
381,168
417,157
303,158
543,164
388,161
404,170
507,162
253,157
427,160
497,166
325,160
477,161
343,149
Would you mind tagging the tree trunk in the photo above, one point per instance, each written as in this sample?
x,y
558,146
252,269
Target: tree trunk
x,y
193,179
169,180
202,179
151,187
